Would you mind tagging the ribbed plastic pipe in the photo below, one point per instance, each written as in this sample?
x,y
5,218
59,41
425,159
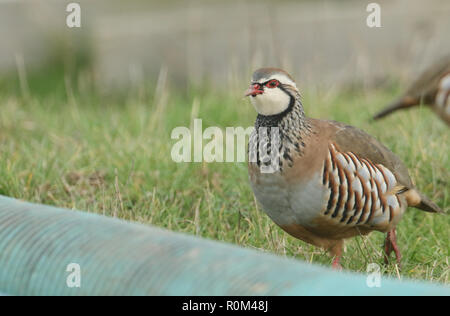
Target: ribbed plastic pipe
x,y
38,242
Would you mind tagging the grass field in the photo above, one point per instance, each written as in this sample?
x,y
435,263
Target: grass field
x,y
112,156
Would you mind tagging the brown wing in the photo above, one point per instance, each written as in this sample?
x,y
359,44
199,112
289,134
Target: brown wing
x,y
351,139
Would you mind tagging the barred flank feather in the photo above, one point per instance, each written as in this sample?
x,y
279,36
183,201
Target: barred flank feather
x,y
360,192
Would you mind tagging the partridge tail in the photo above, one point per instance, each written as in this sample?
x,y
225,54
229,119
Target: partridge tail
x,y
402,103
420,201
428,206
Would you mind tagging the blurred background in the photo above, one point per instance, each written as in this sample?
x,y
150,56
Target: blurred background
x,y
219,43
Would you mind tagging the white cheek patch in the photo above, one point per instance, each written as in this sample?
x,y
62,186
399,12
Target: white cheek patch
x,y
272,101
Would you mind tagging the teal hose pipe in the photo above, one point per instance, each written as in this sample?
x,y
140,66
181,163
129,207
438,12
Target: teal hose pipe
x,y
39,243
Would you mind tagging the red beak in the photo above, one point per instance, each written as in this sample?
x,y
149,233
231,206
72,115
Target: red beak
x,y
254,90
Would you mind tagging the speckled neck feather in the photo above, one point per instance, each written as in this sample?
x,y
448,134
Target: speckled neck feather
x,y
293,127
291,122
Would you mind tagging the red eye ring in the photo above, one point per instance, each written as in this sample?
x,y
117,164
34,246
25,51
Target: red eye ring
x,y
272,83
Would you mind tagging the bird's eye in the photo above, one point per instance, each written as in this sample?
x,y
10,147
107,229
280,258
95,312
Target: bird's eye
x,y
272,83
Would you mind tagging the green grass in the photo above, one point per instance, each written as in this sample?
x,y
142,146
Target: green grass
x,y
112,157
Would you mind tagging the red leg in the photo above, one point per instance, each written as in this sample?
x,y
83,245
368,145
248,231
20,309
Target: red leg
x,y
336,251
398,255
390,245
336,263
387,248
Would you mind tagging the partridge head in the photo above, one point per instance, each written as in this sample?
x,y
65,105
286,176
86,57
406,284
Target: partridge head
x,y
272,91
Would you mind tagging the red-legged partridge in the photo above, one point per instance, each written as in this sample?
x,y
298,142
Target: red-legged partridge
x,y
432,88
330,181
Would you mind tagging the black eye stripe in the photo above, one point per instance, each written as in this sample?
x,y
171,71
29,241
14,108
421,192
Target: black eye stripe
x,y
262,85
